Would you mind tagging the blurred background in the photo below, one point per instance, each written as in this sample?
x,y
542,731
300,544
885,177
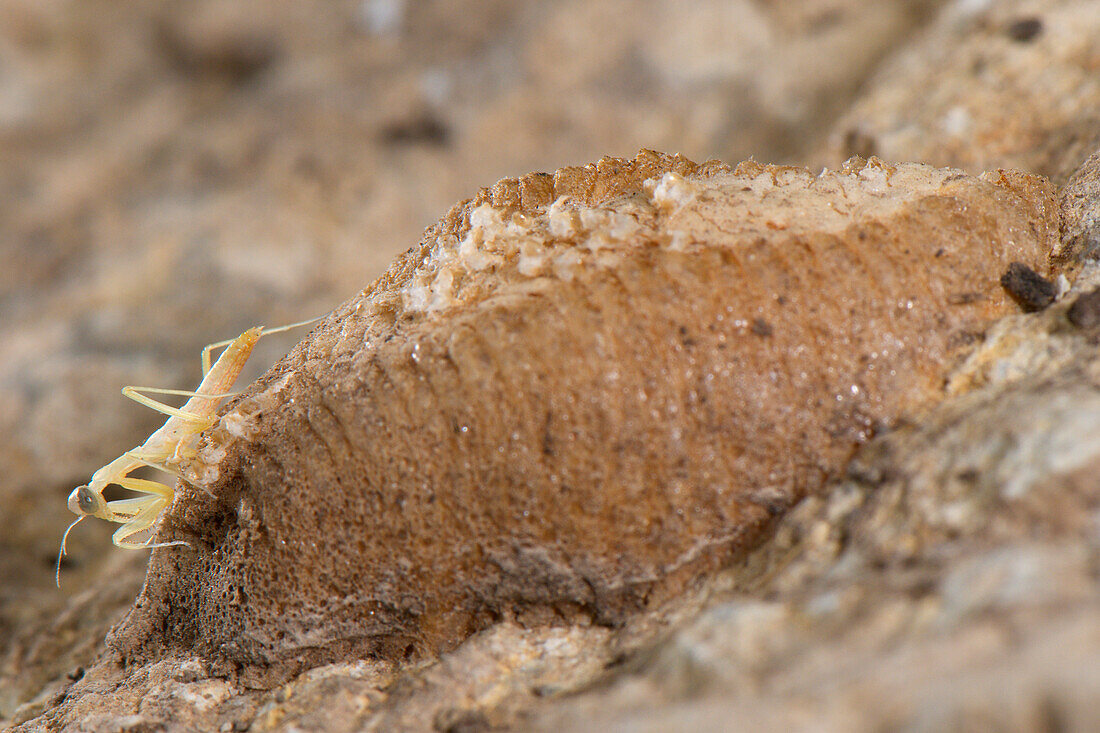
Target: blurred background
x,y
172,173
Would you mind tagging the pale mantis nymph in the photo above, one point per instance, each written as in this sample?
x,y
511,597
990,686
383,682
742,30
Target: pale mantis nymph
x,y
168,449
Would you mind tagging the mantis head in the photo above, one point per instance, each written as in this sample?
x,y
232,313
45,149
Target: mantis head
x,y
84,502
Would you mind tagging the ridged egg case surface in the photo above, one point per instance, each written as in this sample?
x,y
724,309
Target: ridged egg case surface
x,y
577,394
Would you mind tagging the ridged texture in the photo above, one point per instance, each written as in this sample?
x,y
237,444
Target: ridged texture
x,y
577,394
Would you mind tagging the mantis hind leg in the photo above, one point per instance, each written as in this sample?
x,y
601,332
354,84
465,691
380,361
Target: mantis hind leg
x,y
135,393
218,344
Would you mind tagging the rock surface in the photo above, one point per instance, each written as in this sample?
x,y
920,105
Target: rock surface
x,y
173,174
989,84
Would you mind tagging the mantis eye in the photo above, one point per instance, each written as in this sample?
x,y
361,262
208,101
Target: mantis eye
x,y
82,501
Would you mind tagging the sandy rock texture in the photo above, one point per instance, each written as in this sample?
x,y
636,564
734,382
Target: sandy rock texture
x,y
175,173
988,84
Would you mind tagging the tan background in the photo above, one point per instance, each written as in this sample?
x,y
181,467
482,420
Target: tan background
x,y
173,172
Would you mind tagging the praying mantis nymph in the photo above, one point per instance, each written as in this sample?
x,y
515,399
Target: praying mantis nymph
x,y
167,449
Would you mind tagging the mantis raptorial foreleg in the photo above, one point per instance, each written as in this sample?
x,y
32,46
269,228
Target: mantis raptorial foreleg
x,y
140,512
136,514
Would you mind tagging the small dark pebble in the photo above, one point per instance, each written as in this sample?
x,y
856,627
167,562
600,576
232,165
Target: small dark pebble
x,y
422,129
1025,29
236,58
76,674
761,327
969,475
1085,311
1028,288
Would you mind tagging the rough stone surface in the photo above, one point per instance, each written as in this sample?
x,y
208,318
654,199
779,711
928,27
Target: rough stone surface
x,y
1080,203
174,173
977,92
